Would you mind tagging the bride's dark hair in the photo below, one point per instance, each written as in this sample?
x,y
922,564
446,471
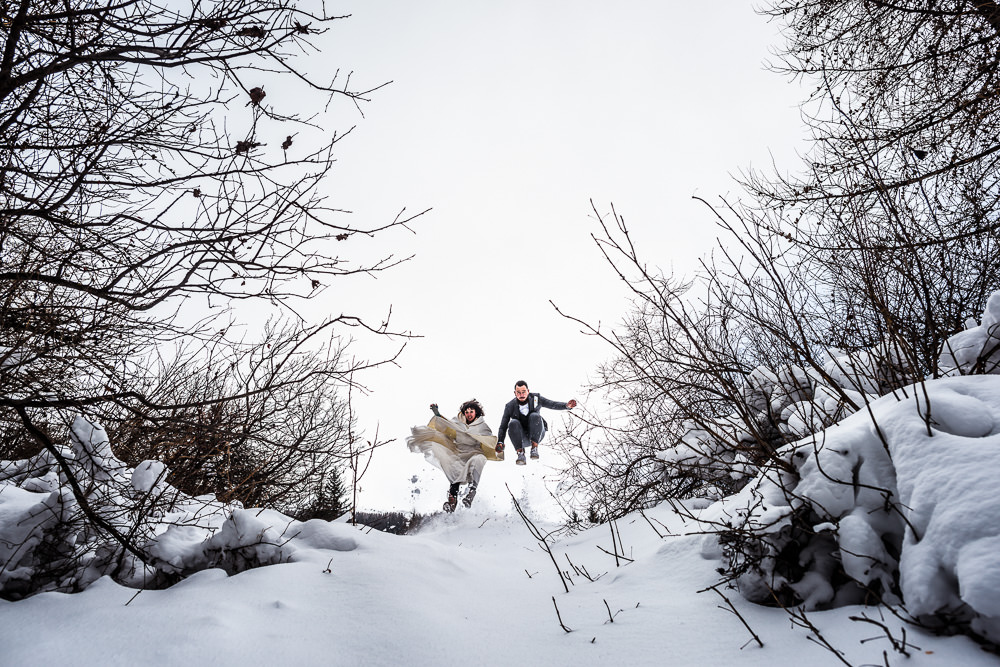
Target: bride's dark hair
x,y
475,405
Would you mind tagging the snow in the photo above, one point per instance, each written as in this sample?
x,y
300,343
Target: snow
x,y
978,347
470,588
149,475
903,479
473,588
898,497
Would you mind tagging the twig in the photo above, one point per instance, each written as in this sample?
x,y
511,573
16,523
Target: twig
x,y
581,570
611,617
898,645
614,543
618,532
799,618
616,554
537,534
738,615
654,527
559,616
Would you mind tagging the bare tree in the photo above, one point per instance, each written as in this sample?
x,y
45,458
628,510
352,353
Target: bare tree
x,y
896,198
149,185
689,386
829,288
908,87
274,448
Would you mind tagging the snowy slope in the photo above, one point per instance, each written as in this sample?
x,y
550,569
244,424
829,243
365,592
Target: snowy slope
x,y
457,593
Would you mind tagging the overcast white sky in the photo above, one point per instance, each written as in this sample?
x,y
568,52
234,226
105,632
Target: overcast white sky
x,y
507,118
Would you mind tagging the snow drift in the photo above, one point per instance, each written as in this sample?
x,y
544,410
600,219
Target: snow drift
x,y
886,499
48,543
895,503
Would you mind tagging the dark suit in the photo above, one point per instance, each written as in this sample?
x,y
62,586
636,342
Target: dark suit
x,y
525,429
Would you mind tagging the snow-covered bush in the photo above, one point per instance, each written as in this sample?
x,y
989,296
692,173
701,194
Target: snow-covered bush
x,y
54,537
896,504
977,349
710,378
774,408
771,410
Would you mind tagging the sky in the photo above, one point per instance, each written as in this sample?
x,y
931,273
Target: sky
x,y
507,120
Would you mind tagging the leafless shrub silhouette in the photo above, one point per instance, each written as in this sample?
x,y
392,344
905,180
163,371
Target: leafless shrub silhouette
x,y
161,218
828,289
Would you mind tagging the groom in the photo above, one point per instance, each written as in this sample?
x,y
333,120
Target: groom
x,y
522,418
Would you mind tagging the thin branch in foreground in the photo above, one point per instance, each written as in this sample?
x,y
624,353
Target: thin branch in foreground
x,y
898,645
611,617
658,534
537,534
616,555
799,618
731,608
559,616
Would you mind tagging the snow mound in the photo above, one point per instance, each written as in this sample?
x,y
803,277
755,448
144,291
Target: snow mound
x,y
897,505
977,349
131,524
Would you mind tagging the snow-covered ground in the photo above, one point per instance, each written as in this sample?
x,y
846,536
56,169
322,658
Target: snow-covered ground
x,y
907,484
470,589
